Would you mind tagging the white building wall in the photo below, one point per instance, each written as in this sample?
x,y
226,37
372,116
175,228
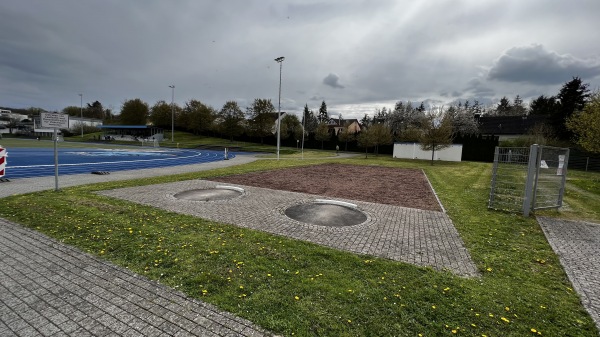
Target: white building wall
x,y
413,151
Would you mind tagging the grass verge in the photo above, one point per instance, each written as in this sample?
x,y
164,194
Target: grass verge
x,y
301,289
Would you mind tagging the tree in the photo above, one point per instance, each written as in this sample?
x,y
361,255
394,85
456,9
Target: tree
x,y
134,112
196,117
260,115
366,139
381,135
160,114
366,121
544,106
504,108
436,132
517,108
72,111
323,116
94,110
309,120
346,136
290,127
322,133
585,124
572,97
463,120
230,120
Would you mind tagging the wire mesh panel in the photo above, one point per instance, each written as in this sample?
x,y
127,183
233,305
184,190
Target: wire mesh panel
x,y
525,179
550,177
509,178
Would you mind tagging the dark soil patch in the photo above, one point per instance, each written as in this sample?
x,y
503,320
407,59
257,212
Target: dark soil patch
x,y
384,185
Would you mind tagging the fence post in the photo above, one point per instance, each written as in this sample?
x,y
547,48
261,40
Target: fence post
x,y
531,170
587,162
494,172
564,178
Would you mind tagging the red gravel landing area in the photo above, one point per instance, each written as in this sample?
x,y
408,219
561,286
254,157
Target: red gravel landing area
x,y
376,184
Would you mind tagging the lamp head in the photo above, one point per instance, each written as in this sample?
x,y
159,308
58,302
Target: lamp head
x,y
280,59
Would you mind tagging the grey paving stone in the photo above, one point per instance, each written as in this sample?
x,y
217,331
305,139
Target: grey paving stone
x,y
104,310
423,238
577,244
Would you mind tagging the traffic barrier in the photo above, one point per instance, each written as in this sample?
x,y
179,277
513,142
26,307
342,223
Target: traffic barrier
x,y
2,161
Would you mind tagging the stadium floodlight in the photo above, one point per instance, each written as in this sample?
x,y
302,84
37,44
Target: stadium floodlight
x,y
172,86
280,61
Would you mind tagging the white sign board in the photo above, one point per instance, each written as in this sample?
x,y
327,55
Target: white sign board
x,y
55,120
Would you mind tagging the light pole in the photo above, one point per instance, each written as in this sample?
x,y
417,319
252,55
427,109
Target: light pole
x,y
81,111
280,61
172,111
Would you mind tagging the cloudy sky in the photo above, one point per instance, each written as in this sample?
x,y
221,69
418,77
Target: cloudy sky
x,y
355,55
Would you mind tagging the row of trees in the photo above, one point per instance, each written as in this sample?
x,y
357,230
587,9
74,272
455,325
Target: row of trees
x,y
405,122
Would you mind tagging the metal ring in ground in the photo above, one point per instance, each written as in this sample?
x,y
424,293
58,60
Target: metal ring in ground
x,y
209,194
326,214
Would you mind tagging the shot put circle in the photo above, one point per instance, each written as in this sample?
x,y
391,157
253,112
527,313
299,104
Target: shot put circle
x,y
210,194
326,214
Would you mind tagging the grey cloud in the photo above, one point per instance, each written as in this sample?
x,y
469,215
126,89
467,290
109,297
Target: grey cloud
x,y
332,81
536,65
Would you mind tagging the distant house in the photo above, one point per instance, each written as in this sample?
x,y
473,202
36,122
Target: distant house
x,y
509,127
337,125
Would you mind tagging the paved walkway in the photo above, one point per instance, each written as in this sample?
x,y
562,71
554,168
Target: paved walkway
x,y
577,244
50,289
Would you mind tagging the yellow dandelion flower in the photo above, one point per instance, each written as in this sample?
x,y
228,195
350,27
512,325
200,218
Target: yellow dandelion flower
x,y
433,307
297,298
505,319
533,330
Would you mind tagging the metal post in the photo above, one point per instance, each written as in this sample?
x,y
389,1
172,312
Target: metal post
x,y
494,172
81,110
531,170
55,159
303,131
564,178
172,112
587,162
280,61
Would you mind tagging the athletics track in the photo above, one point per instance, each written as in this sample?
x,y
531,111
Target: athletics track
x,y
39,162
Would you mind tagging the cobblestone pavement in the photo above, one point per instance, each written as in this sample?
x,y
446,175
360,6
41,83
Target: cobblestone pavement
x,y
50,289
423,238
577,244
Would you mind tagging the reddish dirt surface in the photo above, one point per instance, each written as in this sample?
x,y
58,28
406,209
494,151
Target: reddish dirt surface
x,y
384,185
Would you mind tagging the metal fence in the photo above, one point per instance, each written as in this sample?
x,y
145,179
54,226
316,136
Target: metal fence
x,y
509,176
525,179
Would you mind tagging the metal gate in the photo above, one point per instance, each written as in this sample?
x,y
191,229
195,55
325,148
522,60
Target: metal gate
x,y
525,179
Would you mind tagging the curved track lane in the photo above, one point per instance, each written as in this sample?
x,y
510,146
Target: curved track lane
x,y
39,162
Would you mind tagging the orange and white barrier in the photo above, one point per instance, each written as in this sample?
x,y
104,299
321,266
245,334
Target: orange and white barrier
x,y
2,160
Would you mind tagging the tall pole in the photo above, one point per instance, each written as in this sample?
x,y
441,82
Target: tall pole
x,y
280,61
172,112
303,131
81,111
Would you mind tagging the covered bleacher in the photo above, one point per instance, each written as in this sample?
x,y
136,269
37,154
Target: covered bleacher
x,y
132,133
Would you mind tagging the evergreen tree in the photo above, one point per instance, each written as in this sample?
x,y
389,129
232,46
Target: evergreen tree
x,y
572,97
504,108
323,116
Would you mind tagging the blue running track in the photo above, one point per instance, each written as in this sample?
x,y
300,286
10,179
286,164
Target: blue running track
x,y
39,162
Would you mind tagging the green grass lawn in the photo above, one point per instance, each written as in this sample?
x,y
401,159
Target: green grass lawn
x,y
297,288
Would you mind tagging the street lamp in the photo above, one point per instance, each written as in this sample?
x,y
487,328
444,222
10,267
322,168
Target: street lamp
x,y
81,111
280,61
172,111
